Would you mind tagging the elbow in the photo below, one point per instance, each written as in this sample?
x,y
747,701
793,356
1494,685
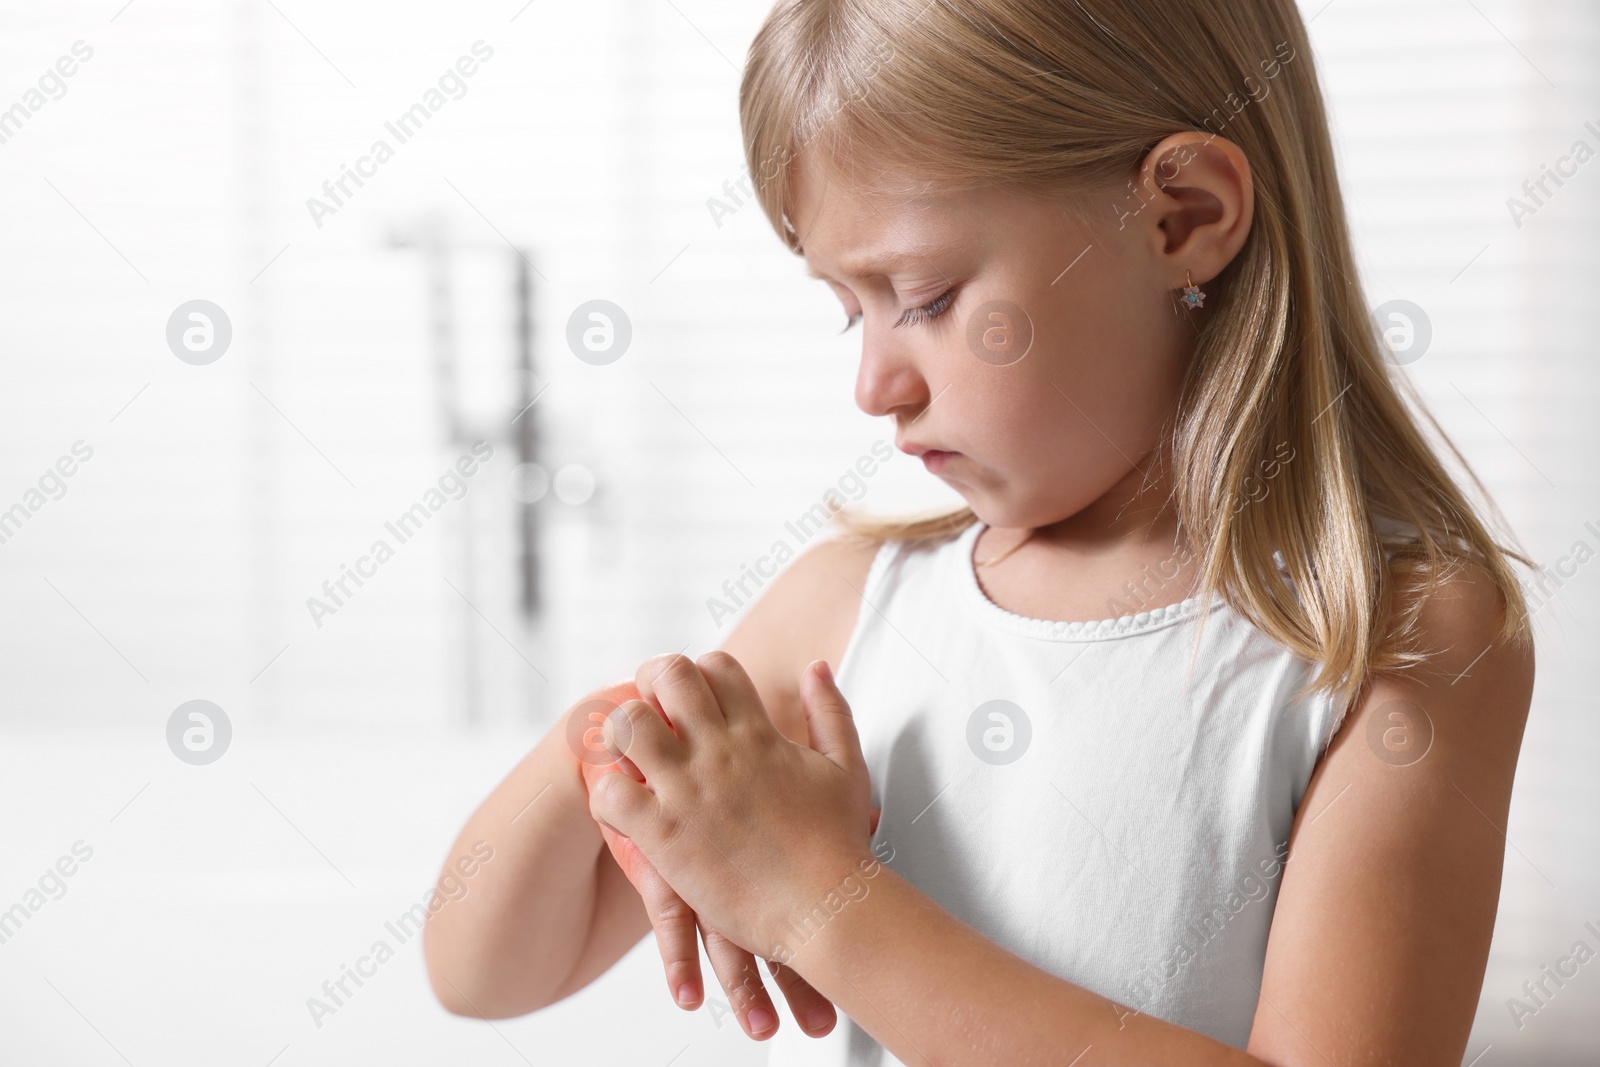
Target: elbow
x,y
472,999
456,1002
464,987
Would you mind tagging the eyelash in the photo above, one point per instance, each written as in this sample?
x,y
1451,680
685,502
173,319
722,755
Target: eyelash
x,y
926,313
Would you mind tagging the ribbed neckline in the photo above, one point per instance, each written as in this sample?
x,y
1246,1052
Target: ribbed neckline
x,y
1055,630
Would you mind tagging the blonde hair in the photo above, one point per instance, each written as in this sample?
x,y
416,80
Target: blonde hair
x,y
1074,95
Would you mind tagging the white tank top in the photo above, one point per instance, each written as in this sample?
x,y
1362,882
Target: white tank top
x,y
1074,792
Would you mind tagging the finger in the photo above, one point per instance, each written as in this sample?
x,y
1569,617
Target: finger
x,y
585,723
831,726
678,688
626,852
730,684
813,1011
736,970
641,740
626,807
872,827
676,934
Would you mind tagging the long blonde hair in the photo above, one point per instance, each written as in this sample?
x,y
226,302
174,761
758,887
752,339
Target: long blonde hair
x,y
1074,95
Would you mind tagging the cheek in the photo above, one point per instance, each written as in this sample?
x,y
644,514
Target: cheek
x,y
1072,417
1119,357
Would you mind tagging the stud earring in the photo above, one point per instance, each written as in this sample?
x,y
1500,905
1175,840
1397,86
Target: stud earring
x,y
1192,296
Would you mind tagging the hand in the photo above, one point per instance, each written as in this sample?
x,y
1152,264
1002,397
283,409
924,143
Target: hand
x,y
675,923
749,827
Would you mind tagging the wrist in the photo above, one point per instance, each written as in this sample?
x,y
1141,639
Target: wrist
x,y
815,910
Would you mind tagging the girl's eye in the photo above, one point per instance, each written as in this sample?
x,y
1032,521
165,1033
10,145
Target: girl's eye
x,y
926,313
929,311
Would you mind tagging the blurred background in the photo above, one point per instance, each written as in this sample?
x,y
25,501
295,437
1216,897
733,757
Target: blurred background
x,y
226,378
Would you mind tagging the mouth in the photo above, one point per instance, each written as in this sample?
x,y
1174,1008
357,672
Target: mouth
x,y
934,459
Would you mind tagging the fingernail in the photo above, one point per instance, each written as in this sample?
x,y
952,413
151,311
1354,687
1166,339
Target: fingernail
x,y
761,1020
686,994
817,1018
824,671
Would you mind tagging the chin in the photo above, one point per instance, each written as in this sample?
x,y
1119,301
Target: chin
x,y
991,512
1013,515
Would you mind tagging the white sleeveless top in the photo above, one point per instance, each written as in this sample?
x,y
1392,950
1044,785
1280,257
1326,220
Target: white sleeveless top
x,y
1073,792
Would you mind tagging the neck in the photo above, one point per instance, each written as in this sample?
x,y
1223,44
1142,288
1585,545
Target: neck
x,y
1136,510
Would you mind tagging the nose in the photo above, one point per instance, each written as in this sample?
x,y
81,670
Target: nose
x,y
888,378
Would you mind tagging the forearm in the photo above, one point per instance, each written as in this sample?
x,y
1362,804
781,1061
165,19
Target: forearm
x,y
506,947
932,990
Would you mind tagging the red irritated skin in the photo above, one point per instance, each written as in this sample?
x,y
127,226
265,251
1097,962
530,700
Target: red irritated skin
x,y
594,761
603,762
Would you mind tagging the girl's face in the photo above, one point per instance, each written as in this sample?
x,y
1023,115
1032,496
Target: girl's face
x,y
952,290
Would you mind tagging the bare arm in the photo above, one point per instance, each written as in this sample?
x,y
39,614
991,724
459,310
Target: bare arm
x,y
553,911
551,904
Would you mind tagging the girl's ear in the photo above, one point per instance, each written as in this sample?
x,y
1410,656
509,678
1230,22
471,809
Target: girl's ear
x,y
1202,203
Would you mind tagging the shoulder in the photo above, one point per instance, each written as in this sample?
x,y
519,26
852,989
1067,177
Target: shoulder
x,y
1459,624
805,613
1466,702
1397,849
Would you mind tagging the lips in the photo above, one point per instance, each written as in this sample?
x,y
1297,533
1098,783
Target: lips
x,y
934,459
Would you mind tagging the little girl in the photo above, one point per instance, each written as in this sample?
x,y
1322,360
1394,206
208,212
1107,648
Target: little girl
x,y
1193,732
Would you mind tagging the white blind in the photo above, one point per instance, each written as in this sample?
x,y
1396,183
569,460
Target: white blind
x,y
176,164
1442,110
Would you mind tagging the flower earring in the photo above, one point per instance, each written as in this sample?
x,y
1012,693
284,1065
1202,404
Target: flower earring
x,y
1192,296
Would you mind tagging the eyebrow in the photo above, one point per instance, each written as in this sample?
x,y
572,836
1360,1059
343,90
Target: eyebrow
x,y
879,263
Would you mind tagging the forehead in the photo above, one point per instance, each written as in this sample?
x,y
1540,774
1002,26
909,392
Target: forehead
x,y
854,226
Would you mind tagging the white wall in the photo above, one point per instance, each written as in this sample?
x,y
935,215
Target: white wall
x,y
1442,110
177,566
